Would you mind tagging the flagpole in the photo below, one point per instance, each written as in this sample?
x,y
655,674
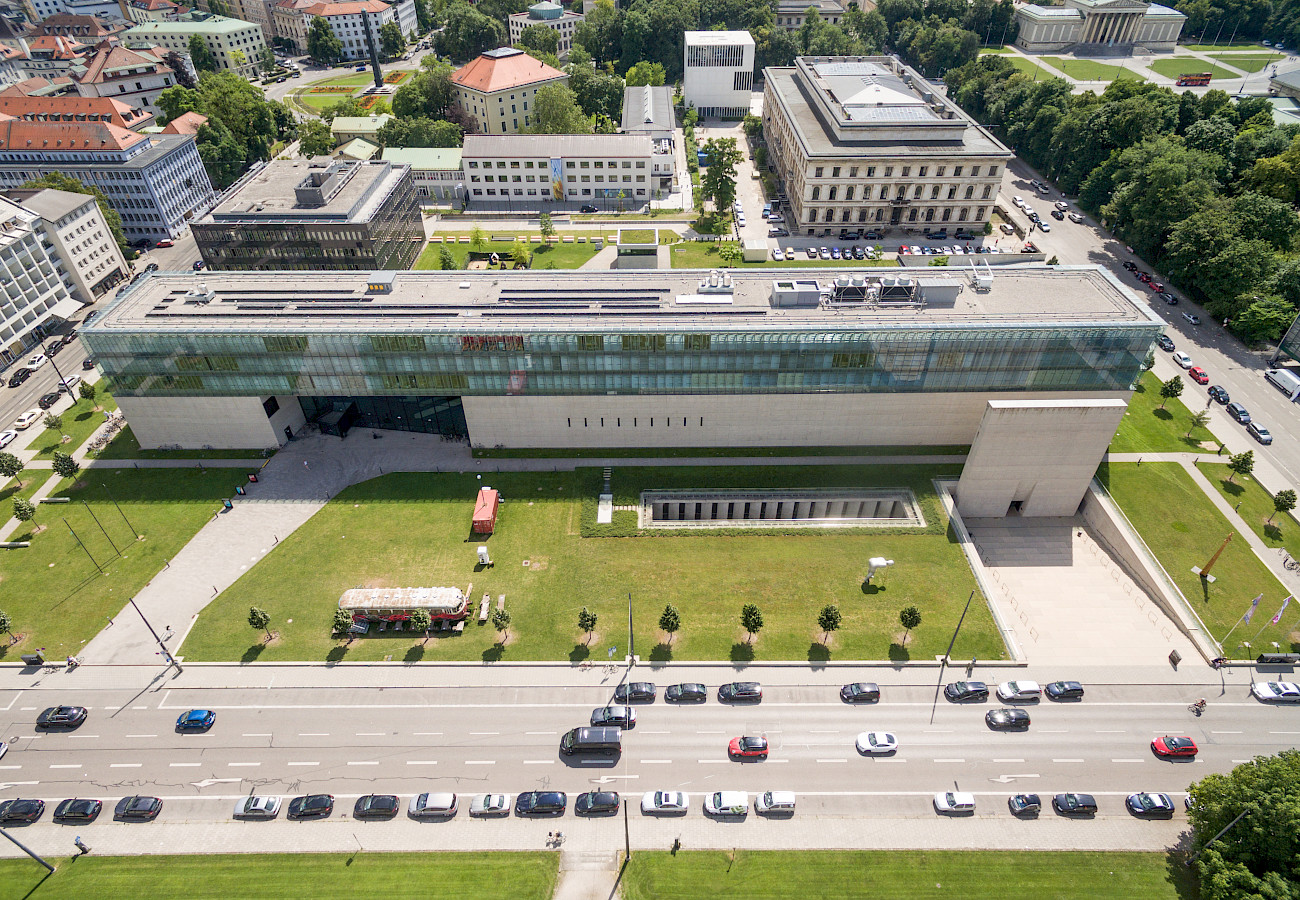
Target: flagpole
x,y
1244,618
1273,621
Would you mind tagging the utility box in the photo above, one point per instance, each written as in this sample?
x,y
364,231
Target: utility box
x,y
483,558
485,512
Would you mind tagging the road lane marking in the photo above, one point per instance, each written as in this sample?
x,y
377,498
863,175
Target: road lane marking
x,y
84,737
832,760
538,762
302,764
371,733
556,732
244,764
313,734
949,760
1239,761
1134,760
10,767
145,707
181,765
480,762
256,734
27,708
1284,732
112,707
125,765
421,762
1008,760
439,733
62,766
1115,731
1067,760
365,762
832,731
710,732
142,735
1225,732
656,762
484,733
1052,731
938,731
638,732
711,760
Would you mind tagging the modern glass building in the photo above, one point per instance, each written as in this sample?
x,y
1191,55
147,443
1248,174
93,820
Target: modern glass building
x,y
614,359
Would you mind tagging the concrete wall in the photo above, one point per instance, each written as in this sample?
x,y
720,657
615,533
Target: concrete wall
x,y
223,423
1039,452
766,420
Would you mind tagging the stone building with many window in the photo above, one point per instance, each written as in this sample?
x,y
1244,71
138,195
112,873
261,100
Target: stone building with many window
x,y
865,142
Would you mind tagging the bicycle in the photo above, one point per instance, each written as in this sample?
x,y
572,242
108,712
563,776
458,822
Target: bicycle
x,y
1198,707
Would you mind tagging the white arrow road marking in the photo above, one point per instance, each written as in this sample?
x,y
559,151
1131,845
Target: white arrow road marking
x,y
1007,779
208,782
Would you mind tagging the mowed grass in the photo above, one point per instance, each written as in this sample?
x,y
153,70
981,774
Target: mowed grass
x,y
79,422
1087,70
1030,67
281,876
125,446
1239,47
1147,428
413,530
53,591
1183,529
1189,65
564,256
1255,505
704,255
914,874
1247,63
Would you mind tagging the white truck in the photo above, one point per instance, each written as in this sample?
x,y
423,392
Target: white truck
x,y
1285,381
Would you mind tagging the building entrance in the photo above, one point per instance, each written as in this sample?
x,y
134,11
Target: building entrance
x,y
430,415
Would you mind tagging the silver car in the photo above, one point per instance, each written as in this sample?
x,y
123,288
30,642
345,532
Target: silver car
x,y
490,805
257,808
664,802
433,805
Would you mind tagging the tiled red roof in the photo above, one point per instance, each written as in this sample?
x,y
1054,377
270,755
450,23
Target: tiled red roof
x,y
107,58
185,123
348,8
19,134
489,74
23,106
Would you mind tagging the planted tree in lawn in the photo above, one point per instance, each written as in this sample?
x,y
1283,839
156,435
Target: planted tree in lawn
x,y
64,465
587,622
1170,389
501,622
257,618
87,391
909,618
446,261
342,621
751,619
6,625
11,466
670,620
420,621
1241,464
545,225
24,509
1198,420
828,620
1283,501
54,422
476,238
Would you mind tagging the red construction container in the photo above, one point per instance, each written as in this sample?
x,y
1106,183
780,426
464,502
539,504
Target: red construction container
x,y
485,511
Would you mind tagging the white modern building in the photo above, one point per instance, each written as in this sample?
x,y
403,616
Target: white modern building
x,y
237,45
33,293
435,171
649,110
718,78
1099,24
565,167
548,15
83,243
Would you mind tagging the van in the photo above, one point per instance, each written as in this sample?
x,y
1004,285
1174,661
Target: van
x,y
596,739
774,803
1285,381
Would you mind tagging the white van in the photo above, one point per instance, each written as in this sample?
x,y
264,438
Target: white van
x,y
1285,381
774,803
1011,691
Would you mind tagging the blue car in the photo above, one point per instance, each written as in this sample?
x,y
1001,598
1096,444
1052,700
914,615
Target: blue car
x,y
196,720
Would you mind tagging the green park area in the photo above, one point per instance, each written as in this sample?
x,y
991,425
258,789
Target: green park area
x,y
79,422
1087,70
413,530
282,876
1155,425
559,255
914,874
1225,47
85,560
327,91
1029,67
1255,505
1246,63
1182,527
1190,65
708,255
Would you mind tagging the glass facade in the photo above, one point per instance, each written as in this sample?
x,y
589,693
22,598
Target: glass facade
x,y
1083,357
430,415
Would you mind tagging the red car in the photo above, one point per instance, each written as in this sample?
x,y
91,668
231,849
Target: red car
x,y
1174,746
1156,286
1143,276
748,747
1199,375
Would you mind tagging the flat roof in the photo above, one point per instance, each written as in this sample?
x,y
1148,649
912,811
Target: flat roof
x,y
537,146
268,194
213,24
718,38
598,302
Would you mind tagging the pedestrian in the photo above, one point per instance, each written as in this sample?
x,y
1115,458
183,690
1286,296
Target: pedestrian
x,y
304,464
81,845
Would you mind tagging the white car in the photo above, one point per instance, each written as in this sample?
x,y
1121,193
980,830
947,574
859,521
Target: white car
x,y
1062,206
877,742
4,748
656,802
36,361
1018,201
490,805
954,802
1010,691
257,807
1283,691
69,384
740,219
778,254
7,437
1007,228
726,803
1182,359
1075,218
1044,226
28,419
774,802
433,805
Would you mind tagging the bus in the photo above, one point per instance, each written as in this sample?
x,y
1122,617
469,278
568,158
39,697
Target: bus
x,y
1194,80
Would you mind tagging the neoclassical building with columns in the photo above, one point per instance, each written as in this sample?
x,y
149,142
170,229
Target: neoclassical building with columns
x,y
1098,25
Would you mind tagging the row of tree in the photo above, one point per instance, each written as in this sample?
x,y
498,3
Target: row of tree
x,y
1202,187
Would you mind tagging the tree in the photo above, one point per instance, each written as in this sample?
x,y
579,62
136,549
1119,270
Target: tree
x,y
238,59
751,619
421,621
315,139
468,33
59,181
909,618
64,465
1170,389
446,261
1199,419
545,225
476,237
201,56
257,618
587,622
180,68
429,93
323,45
11,466
1241,464
391,41
718,183
670,621
423,16
555,111
1283,501
23,509
1265,319
828,620
266,60
87,391
342,621
6,625
645,73
730,253
1149,362
53,421
539,39
420,132
501,621
520,255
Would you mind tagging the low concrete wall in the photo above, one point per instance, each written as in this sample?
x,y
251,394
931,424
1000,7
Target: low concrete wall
x,y
965,260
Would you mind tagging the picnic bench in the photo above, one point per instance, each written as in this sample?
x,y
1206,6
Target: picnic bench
x,y
483,608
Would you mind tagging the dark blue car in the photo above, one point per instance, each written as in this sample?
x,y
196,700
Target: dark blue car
x,y
196,720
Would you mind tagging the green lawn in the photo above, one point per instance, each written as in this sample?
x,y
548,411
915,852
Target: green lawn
x,y
1087,70
280,876
1182,527
125,446
54,593
1146,428
1189,65
1031,67
79,422
413,530
25,485
984,50
1240,47
1255,505
704,255
914,874
701,452
1247,63
564,256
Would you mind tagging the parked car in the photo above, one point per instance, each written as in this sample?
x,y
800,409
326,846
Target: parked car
x,y
139,808
490,805
1192,319
777,233
541,803
859,253
588,208
1218,394
1058,215
966,691
1238,412
726,803
1024,804
775,219
1157,287
1259,433
635,692
88,363
1164,342
69,384
1014,691
1182,360
310,806
19,376
835,253
61,717
860,692
740,691
1075,218
1043,226
665,803
1150,805
954,802
37,360
27,419
376,806
19,810
198,263
811,252
49,399
870,743
1006,229
255,807
1169,298
824,252
433,805
196,720
1199,375
596,803
78,810
686,693
775,803
1064,690
1169,745
778,254
1075,804
1282,691
165,242
7,438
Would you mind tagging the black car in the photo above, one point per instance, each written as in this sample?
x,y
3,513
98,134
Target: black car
x,y
1075,804
144,808
1006,718
76,810
375,806
686,693
49,400
588,208
635,692
152,267
1155,806
872,235
859,253
741,691
1064,690
1218,394
860,692
19,377
61,717
1169,298
541,803
21,810
622,716
964,691
596,803
88,362
90,315
1238,412
1024,804
312,806
1058,215
1166,343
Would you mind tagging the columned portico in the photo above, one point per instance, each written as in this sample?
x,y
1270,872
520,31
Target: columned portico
x,y
1098,24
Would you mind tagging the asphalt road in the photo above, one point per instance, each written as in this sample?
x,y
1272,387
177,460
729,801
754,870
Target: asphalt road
x,y
15,401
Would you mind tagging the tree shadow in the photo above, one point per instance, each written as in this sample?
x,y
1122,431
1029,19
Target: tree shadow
x,y
1234,488
579,653
414,653
336,654
494,653
818,654
742,652
253,652
1273,532
898,653
1183,878
1163,414
661,653
872,589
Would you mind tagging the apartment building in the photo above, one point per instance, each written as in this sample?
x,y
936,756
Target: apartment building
x,y
136,77
142,11
74,224
718,78
496,89
347,21
791,14
33,293
74,108
548,15
565,167
104,9
865,141
237,45
288,22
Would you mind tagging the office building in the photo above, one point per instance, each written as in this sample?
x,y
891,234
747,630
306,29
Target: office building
x,y
435,171
865,142
649,110
496,89
315,214
74,108
83,244
572,167
136,77
548,15
1092,25
155,182
104,9
346,20
790,14
33,294
718,79
235,44
142,11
